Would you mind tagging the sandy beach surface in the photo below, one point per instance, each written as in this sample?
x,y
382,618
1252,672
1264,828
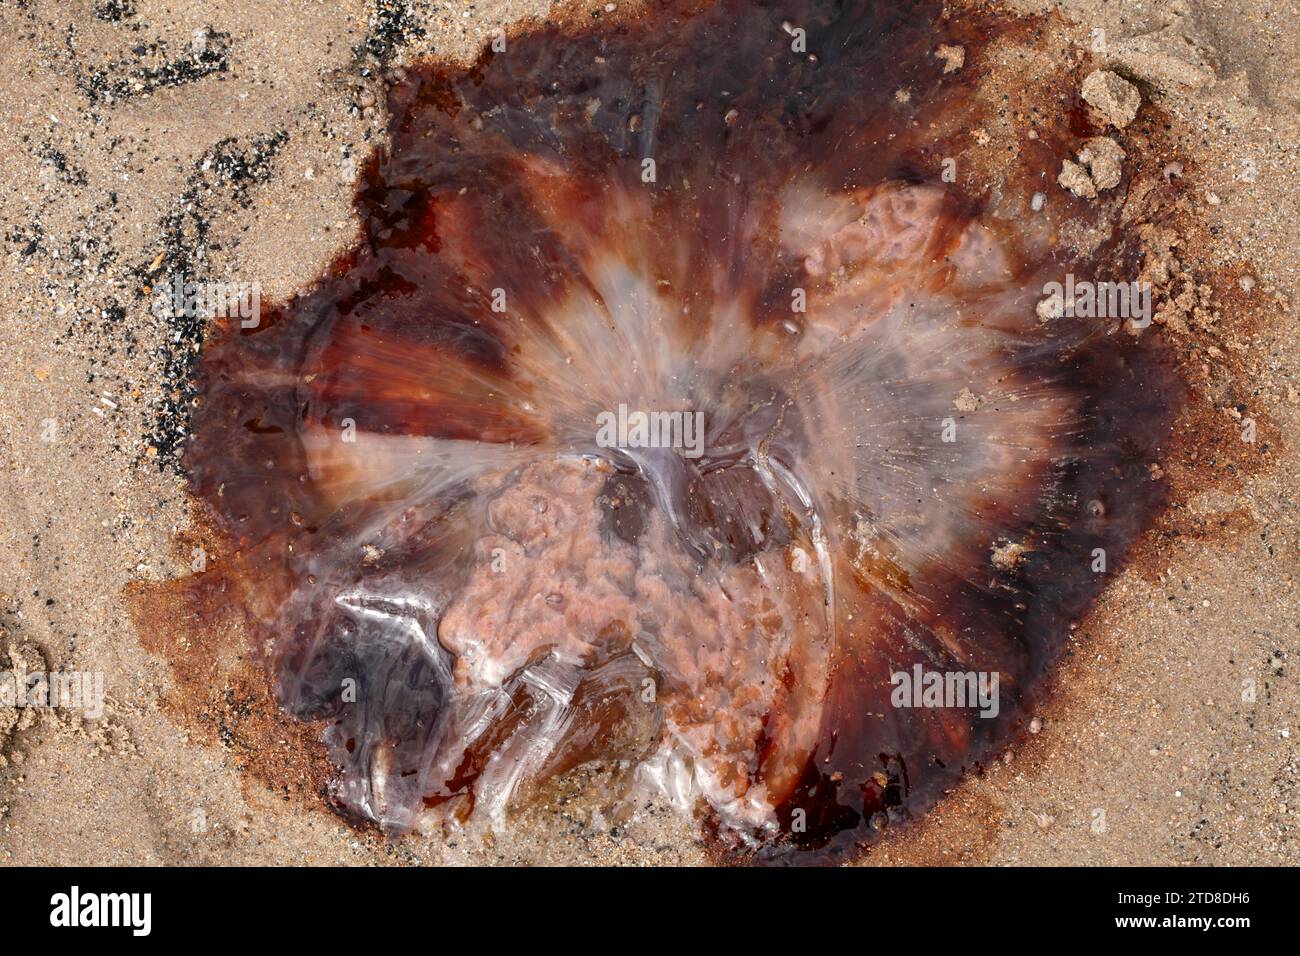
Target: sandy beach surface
x,y
226,135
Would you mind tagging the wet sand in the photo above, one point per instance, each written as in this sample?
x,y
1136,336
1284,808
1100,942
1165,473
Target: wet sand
x,y
231,134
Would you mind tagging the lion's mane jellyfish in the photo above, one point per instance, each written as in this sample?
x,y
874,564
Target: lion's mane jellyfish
x,y
674,411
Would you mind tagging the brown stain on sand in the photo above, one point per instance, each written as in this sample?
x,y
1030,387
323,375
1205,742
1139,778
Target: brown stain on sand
x,y
221,695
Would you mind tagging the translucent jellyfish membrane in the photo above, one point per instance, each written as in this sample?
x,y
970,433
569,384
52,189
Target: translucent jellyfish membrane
x,y
901,463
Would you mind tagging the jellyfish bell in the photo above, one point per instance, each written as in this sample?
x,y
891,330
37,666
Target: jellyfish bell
x,y
562,465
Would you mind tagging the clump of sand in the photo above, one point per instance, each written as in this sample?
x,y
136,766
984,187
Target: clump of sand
x,y
1100,167
1114,98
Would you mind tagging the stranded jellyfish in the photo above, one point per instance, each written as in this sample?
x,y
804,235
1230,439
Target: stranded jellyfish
x,y
688,406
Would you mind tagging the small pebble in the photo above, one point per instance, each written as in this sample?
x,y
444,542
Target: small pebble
x,y
953,57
